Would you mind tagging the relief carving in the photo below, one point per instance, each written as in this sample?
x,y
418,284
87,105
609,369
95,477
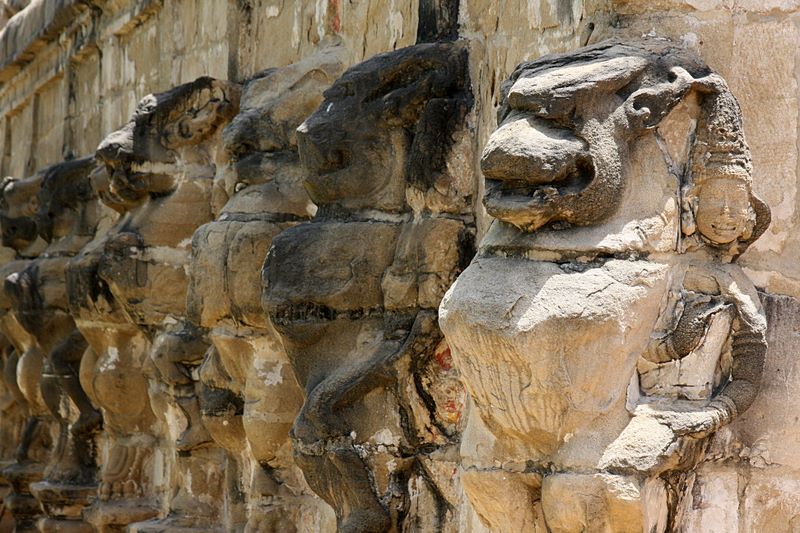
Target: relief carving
x,y
259,308
605,331
160,168
18,207
353,293
111,375
249,396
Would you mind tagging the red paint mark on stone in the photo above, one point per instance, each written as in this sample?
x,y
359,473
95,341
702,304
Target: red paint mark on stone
x,y
445,359
335,7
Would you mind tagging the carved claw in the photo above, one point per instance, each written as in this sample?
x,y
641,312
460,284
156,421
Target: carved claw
x,y
699,422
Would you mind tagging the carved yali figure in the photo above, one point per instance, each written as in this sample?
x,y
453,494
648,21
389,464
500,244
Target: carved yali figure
x,y
353,293
250,396
111,375
67,218
603,331
18,206
160,170
23,366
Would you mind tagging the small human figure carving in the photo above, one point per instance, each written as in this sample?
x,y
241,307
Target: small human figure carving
x,y
703,364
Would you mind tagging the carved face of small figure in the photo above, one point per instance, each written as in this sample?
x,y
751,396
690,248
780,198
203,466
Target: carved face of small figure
x,y
722,209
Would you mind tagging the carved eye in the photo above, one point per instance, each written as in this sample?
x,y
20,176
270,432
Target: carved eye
x,y
338,158
185,127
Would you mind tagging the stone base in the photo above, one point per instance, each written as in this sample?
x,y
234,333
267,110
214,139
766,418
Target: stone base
x,y
54,525
174,524
21,504
114,516
25,510
63,505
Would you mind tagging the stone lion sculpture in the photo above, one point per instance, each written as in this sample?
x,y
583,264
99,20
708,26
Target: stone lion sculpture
x,y
353,293
604,330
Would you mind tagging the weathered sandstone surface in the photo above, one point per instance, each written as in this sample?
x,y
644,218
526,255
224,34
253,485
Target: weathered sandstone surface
x,y
404,266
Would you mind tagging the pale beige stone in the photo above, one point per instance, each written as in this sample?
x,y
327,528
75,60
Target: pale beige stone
x,y
544,310
631,7
73,72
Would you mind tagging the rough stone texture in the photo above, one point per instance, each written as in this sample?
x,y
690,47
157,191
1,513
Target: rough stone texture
x,y
654,296
353,293
250,396
198,385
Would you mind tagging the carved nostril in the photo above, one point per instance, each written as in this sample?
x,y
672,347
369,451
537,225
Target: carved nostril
x,y
338,158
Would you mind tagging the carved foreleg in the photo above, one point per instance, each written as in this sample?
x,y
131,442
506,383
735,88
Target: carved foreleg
x,y
65,362
174,355
75,462
351,382
326,454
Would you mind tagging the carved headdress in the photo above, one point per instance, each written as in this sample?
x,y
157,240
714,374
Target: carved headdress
x,y
720,151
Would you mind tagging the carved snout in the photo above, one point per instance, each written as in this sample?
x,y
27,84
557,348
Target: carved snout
x,y
18,232
247,133
532,151
321,148
533,170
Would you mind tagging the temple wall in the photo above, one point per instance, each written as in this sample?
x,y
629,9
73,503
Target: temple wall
x,y
72,73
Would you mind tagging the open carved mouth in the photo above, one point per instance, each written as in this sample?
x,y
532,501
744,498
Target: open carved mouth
x,y
520,199
261,166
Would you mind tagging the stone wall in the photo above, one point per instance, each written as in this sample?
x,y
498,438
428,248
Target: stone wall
x,y
228,226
